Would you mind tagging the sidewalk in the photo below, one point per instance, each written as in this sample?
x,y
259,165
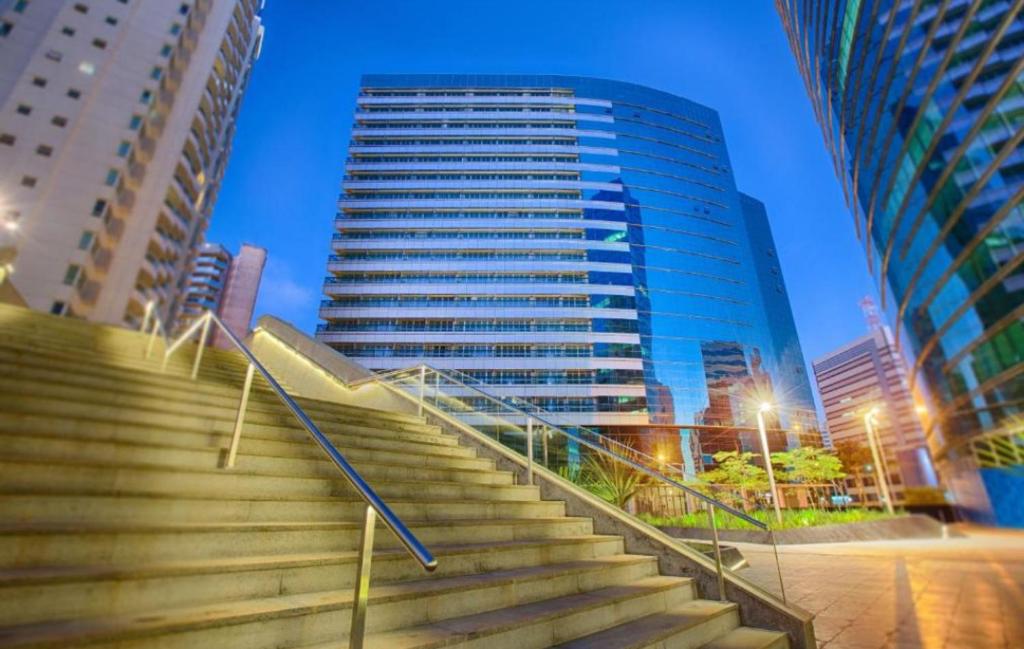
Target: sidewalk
x,y
963,593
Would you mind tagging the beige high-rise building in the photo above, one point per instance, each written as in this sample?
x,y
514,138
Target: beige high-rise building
x,y
870,373
116,122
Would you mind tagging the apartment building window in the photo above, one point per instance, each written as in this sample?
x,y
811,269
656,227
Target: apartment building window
x,y
86,67
85,240
7,138
74,93
5,27
67,31
175,29
59,121
28,181
57,308
166,50
71,274
156,73
44,150
183,9
135,122
124,148
146,97
19,6
110,20
112,176
81,8
99,207
23,109
54,55
99,43
39,81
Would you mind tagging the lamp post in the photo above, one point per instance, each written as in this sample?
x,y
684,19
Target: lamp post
x,y
765,407
880,476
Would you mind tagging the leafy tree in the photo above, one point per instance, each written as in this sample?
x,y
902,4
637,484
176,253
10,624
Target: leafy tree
x,y
855,457
810,464
738,470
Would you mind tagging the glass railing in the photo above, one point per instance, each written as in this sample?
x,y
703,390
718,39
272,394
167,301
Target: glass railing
x,y
636,483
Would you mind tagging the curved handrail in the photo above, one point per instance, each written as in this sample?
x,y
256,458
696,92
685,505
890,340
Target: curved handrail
x,y
365,491
592,445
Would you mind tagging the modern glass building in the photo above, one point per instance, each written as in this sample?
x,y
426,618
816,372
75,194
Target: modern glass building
x,y
576,242
922,106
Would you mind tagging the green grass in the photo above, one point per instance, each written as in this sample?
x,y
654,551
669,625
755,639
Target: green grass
x,y
791,519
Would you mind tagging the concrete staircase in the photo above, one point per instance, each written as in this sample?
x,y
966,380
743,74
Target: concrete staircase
x,y
120,528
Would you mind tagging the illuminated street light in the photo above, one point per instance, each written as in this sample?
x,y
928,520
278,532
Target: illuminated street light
x,y
766,407
883,480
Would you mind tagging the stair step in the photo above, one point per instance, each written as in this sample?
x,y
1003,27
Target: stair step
x,y
41,544
313,463
318,617
746,637
547,622
18,395
99,375
257,439
20,475
687,626
92,591
117,506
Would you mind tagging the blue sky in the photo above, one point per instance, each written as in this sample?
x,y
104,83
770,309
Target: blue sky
x,y
282,181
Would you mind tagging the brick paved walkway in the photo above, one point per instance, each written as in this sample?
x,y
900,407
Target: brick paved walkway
x,y
943,594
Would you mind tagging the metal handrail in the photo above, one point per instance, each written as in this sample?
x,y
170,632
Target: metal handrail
x,y
597,447
375,506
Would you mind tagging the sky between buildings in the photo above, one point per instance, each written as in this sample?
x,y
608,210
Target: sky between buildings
x,y
283,179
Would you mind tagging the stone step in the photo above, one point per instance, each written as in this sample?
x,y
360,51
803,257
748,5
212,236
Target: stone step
x,y
122,505
287,429
687,626
149,454
545,623
224,366
93,591
749,638
20,393
32,475
40,544
110,377
321,617
256,440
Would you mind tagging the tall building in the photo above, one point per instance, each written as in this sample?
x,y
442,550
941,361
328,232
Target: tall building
x,y
920,104
239,298
225,284
870,373
116,122
576,242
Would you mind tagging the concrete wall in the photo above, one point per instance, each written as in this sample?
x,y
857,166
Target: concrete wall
x,y
311,369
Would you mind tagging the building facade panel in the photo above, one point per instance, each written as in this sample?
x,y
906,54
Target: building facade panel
x,y
920,104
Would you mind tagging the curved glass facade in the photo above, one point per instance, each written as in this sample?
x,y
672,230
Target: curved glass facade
x,y
577,242
922,106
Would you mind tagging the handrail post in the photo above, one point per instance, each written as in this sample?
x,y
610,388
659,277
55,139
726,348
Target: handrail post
x,y
240,417
152,339
423,387
718,552
145,316
529,450
202,345
362,592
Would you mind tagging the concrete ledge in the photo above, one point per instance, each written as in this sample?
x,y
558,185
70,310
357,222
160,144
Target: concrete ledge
x,y
913,526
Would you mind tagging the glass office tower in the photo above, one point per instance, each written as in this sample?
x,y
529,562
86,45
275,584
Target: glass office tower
x,y
922,106
576,242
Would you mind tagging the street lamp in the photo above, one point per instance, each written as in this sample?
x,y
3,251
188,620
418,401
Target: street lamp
x,y
765,407
883,480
